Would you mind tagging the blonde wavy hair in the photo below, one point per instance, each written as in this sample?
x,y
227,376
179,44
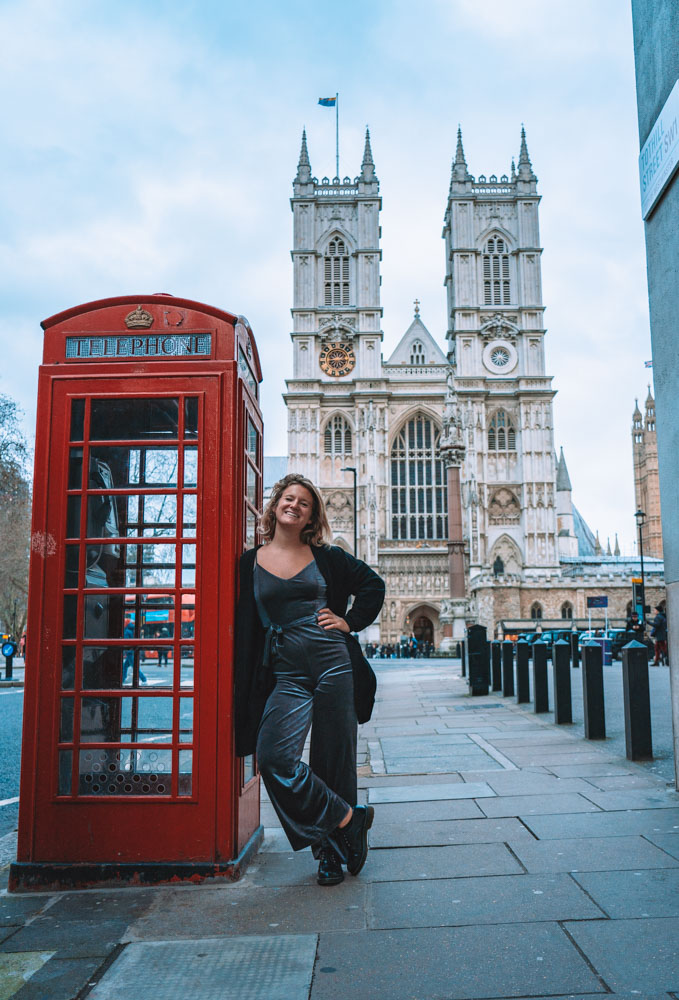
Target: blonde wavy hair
x,y
317,530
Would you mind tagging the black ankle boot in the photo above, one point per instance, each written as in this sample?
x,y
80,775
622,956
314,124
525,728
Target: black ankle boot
x,y
329,867
355,837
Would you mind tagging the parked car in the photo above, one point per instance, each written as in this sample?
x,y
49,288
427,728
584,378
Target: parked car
x,y
620,637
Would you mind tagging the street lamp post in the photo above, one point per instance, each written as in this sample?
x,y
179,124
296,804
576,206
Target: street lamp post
x,y
640,518
350,468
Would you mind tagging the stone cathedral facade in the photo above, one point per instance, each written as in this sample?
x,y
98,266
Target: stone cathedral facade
x,y
352,415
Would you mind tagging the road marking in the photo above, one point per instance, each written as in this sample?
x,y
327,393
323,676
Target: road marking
x,y
9,802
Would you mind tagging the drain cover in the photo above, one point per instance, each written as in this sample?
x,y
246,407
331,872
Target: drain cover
x,y
240,968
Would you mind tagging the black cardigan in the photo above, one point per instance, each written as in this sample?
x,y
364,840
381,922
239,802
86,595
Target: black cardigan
x,y
344,576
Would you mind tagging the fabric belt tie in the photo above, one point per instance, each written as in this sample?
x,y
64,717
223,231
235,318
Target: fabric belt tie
x,y
274,633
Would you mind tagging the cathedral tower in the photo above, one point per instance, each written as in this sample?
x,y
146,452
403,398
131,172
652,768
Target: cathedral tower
x,y
337,336
495,342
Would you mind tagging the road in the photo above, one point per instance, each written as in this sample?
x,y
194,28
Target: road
x,y
11,711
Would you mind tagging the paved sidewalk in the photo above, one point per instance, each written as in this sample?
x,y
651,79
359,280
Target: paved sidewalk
x,y
510,858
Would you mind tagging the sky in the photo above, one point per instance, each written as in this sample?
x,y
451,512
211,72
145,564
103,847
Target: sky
x,y
150,147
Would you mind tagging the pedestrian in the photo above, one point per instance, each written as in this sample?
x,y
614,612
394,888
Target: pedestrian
x,y
128,654
634,627
659,636
298,667
164,634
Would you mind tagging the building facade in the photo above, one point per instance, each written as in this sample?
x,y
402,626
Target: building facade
x,y
395,426
646,477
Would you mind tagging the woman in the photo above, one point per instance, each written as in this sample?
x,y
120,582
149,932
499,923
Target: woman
x,y
296,664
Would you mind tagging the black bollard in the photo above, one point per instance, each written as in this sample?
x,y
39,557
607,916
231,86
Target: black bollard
x,y
561,674
540,686
478,660
496,660
522,678
463,658
637,701
507,669
575,649
593,691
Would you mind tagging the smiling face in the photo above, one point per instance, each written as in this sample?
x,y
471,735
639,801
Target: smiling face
x,y
295,507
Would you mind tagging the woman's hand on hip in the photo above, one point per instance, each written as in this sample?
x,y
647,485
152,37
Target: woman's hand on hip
x,y
327,619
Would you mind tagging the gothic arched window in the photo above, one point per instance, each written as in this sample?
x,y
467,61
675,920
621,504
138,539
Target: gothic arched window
x,y
496,286
418,483
336,273
501,433
567,610
536,611
337,437
417,353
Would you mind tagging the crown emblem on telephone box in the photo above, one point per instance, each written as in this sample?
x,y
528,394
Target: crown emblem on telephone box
x,y
138,319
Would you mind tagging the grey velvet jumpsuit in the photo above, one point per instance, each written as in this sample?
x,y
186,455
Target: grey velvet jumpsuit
x,y
314,688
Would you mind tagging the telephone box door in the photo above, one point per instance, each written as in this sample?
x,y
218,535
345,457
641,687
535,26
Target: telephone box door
x,y
131,607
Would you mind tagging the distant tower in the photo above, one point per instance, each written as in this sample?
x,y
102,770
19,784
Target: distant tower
x,y
496,343
646,482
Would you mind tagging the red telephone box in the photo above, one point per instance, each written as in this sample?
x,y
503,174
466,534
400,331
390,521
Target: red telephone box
x,y
148,476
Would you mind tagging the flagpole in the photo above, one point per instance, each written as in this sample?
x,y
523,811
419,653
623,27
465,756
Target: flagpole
x,y
337,134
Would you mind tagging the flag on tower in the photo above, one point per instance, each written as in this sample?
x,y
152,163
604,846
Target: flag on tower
x,y
327,102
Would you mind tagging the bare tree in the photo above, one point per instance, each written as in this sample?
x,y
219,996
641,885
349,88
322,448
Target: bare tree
x,y
15,518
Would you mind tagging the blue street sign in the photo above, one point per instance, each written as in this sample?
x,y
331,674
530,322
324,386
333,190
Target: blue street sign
x,y
8,649
597,602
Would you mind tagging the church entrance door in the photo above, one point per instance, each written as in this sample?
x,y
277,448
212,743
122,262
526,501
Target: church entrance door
x,y
423,629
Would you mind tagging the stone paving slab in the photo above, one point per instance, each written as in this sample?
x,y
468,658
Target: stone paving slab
x,y
16,910
506,899
393,813
635,798
230,911
464,963
253,968
666,841
77,939
464,831
411,863
59,979
411,793
634,995
388,780
439,765
630,955
275,841
281,868
532,783
591,854
604,824
544,736
535,805
15,970
625,781
428,743
601,767
549,758
634,893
